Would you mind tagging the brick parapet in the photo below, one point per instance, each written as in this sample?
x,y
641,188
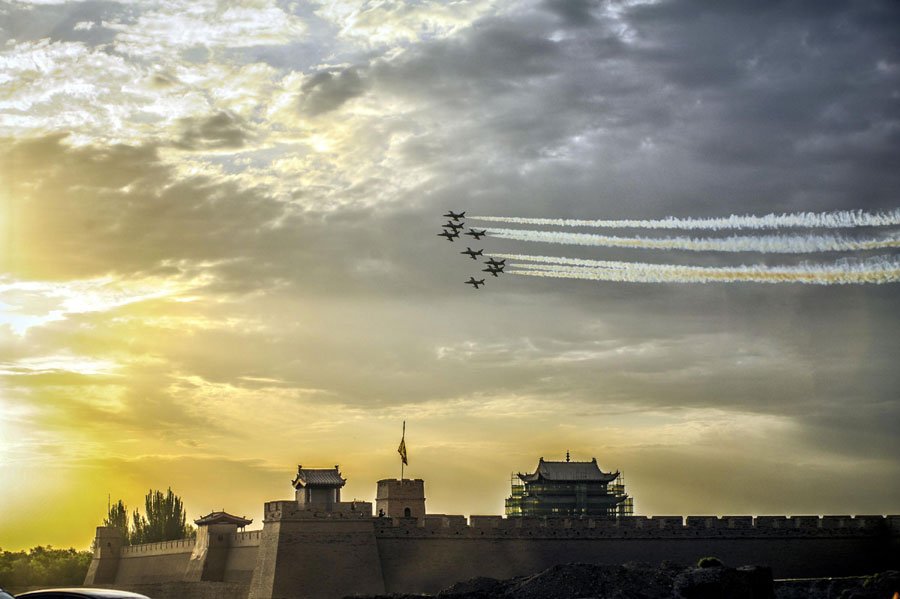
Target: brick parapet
x,y
161,548
248,538
669,527
275,511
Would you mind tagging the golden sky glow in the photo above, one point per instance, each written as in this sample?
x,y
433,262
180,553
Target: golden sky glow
x,y
218,256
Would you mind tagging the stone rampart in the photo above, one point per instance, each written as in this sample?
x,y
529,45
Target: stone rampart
x,y
311,553
424,559
154,562
304,553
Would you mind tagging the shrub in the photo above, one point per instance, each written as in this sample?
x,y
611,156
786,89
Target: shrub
x,y
710,562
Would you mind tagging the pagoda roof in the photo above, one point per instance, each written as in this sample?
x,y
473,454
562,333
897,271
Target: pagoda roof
x,y
318,477
569,472
222,518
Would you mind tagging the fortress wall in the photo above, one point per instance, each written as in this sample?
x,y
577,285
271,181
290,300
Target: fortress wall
x,y
241,563
248,539
152,566
426,565
162,548
242,556
168,561
425,559
314,554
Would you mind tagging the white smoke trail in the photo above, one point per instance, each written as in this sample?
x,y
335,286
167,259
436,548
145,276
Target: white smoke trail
x,y
769,244
878,270
821,220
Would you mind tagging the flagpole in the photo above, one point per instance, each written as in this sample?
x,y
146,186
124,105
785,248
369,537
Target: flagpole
x,y
402,438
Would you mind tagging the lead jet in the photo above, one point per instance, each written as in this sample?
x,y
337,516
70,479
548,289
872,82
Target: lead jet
x,y
494,270
472,253
456,228
454,216
450,236
477,234
492,262
474,283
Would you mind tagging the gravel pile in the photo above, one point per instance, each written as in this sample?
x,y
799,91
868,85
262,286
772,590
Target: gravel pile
x,y
628,581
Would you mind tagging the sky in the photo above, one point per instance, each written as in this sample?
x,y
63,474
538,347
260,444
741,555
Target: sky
x,y
219,261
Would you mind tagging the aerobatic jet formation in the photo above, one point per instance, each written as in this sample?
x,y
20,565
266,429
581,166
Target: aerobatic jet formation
x,y
452,229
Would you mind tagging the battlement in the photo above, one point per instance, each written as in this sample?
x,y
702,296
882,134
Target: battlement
x,y
161,548
292,510
246,539
454,526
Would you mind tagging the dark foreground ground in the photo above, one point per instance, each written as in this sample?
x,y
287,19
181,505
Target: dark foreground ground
x,y
667,581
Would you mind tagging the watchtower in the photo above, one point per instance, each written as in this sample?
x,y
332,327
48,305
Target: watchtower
x,y
212,545
568,489
403,498
318,485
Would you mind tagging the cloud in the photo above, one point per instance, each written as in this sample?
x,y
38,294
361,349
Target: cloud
x,y
326,91
83,212
220,131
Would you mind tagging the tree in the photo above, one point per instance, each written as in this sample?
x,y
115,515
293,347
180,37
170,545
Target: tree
x,y
118,518
43,566
165,521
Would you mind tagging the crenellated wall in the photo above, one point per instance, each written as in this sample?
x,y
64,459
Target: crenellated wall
x,y
309,553
171,561
424,559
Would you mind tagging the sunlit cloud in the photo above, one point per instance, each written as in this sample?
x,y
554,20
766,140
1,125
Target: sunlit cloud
x,y
374,23
175,25
79,297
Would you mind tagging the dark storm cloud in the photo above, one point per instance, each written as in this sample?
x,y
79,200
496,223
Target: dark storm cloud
x,y
797,101
574,13
326,91
220,131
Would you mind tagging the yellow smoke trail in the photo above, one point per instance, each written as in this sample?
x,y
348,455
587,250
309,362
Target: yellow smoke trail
x,y
772,244
876,271
821,220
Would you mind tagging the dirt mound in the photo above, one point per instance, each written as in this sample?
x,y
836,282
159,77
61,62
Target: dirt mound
x,y
629,581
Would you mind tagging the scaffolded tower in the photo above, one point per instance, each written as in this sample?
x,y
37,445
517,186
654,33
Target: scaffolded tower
x,y
568,489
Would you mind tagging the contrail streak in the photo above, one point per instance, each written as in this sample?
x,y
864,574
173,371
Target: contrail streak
x,y
769,244
821,220
876,270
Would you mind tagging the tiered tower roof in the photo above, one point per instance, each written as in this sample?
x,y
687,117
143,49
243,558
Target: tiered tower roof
x,y
569,472
222,518
318,477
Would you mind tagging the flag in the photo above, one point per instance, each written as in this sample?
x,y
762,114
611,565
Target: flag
x,y
402,449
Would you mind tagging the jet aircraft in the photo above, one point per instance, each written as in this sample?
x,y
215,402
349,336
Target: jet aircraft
x,y
494,270
450,236
472,253
477,234
474,283
456,228
493,262
454,216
